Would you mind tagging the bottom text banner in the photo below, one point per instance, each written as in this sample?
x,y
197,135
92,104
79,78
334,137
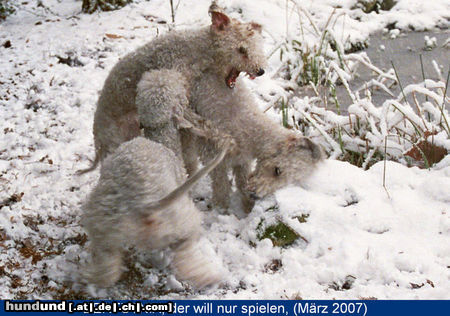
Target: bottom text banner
x,y
228,307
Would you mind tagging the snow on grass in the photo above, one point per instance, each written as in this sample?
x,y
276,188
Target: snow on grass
x,y
359,240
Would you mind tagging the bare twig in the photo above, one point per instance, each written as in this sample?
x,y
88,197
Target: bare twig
x,y
423,73
398,80
443,103
384,167
172,11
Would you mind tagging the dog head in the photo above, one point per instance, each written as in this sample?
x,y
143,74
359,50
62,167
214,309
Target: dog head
x,y
288,163
238,46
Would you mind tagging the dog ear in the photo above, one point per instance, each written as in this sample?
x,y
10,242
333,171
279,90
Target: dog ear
x,y
256,26
301,143
219,19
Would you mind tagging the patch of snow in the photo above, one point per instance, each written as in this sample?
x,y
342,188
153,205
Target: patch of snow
x,y
430,42
385,238
394,33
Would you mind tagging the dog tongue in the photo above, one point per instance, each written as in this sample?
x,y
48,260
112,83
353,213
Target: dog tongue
x,y
231,78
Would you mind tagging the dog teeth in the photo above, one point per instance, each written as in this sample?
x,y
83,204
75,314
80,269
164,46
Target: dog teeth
x,y
250,75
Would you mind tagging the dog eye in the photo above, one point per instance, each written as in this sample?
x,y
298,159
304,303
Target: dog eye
x,y
277,171
243,50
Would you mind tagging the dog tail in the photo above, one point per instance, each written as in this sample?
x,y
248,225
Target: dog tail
x,y
186,186
92,167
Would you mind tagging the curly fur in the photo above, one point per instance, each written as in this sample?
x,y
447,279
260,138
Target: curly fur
x,y
283,156
141,199
226,48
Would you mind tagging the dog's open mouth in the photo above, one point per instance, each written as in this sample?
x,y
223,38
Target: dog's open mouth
x,y
233,75
230,80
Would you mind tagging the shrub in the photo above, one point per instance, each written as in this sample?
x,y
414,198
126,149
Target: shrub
x,y
402,129
90,6
5,9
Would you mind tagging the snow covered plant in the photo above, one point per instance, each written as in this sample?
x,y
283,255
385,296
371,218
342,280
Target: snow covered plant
x,y
5,9
412,128
416,133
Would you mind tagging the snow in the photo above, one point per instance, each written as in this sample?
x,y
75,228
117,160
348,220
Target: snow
x,y
393,240
430,42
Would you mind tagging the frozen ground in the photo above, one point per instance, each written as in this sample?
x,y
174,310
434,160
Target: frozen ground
x,y
405,52
360,240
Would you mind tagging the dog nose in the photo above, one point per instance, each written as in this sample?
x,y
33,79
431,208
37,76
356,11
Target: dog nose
x,y
260,72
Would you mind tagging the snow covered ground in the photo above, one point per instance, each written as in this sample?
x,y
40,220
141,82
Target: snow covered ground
x,y
360,240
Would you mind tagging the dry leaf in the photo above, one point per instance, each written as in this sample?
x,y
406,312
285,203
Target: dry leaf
x,y
432,152
114,36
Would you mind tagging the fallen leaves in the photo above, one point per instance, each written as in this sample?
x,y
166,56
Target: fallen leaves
x,y
426,150
113,36
16,197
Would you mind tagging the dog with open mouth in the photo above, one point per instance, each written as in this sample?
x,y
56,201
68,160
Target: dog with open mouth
x,y
226,47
